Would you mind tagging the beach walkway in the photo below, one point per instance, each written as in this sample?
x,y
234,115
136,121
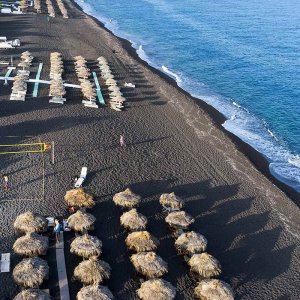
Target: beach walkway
x,y
61,270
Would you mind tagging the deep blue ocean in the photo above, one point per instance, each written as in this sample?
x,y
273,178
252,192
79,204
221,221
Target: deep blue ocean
x,y
240,56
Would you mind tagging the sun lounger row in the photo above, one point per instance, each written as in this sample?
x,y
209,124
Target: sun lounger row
x,y
50,8
19,88
62,8
57,89
116,97
87,87
37,6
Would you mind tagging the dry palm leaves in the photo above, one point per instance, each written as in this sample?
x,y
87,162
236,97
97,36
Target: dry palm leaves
x,y
141,241
86,246
32,244
190,243
132,220
157,289
170,200
95,292
32,294
149,264
81,221
79,198
31,272
92,271
179,219
31,222
126,199
214,289
205,265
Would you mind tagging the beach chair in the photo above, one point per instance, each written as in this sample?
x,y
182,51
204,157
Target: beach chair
x,y
130,85
82,177
169,209
50,221
65,225
5,262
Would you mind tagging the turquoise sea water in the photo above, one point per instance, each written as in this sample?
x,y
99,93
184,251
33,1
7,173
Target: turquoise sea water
x,y
242,57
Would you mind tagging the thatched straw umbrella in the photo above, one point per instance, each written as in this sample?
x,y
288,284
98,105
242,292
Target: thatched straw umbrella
x,y
81,221
110,82
31,222
113,88
31,272
32,294
86,246
92,292
126,198
79,198
92,271
170,200
157,289
179,219
214,289
132,220
32,244
149,264
205,265
190,243
141,241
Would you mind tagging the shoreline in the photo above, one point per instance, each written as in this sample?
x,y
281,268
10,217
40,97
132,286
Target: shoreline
x,y
257,158
172,145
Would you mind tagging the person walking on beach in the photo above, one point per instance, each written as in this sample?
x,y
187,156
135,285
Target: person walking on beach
x,y
57,229
5,180
122,141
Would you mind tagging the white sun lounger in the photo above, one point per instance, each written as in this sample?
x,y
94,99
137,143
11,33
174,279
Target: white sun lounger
x,y
169,209
128,84
82,177
5,262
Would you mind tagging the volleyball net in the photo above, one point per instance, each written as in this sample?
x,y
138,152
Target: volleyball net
x,y
24,148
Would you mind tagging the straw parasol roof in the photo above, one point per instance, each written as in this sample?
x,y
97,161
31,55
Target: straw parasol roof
x,y
149,264
32,244
81,221
141,241
179,219
92,271
79,197
133,220
113,88
86,246
214,289
170,200
32,294
205,265
157,289
190,243
31,272
126,199
110,82
31,222
92,292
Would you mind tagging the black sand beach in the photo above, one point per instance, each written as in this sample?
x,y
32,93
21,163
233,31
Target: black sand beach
x,y
173,144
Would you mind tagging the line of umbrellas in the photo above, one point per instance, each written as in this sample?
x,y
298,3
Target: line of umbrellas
x,y
193,245
83,73
37,6
50,8
32,270
115,95
92,271
19,82
145,260
57,88
62,8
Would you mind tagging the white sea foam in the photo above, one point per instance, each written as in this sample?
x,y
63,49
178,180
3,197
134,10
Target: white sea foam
x,y
172,74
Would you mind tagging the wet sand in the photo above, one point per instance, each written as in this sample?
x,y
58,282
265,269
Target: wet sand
x,y
173,144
